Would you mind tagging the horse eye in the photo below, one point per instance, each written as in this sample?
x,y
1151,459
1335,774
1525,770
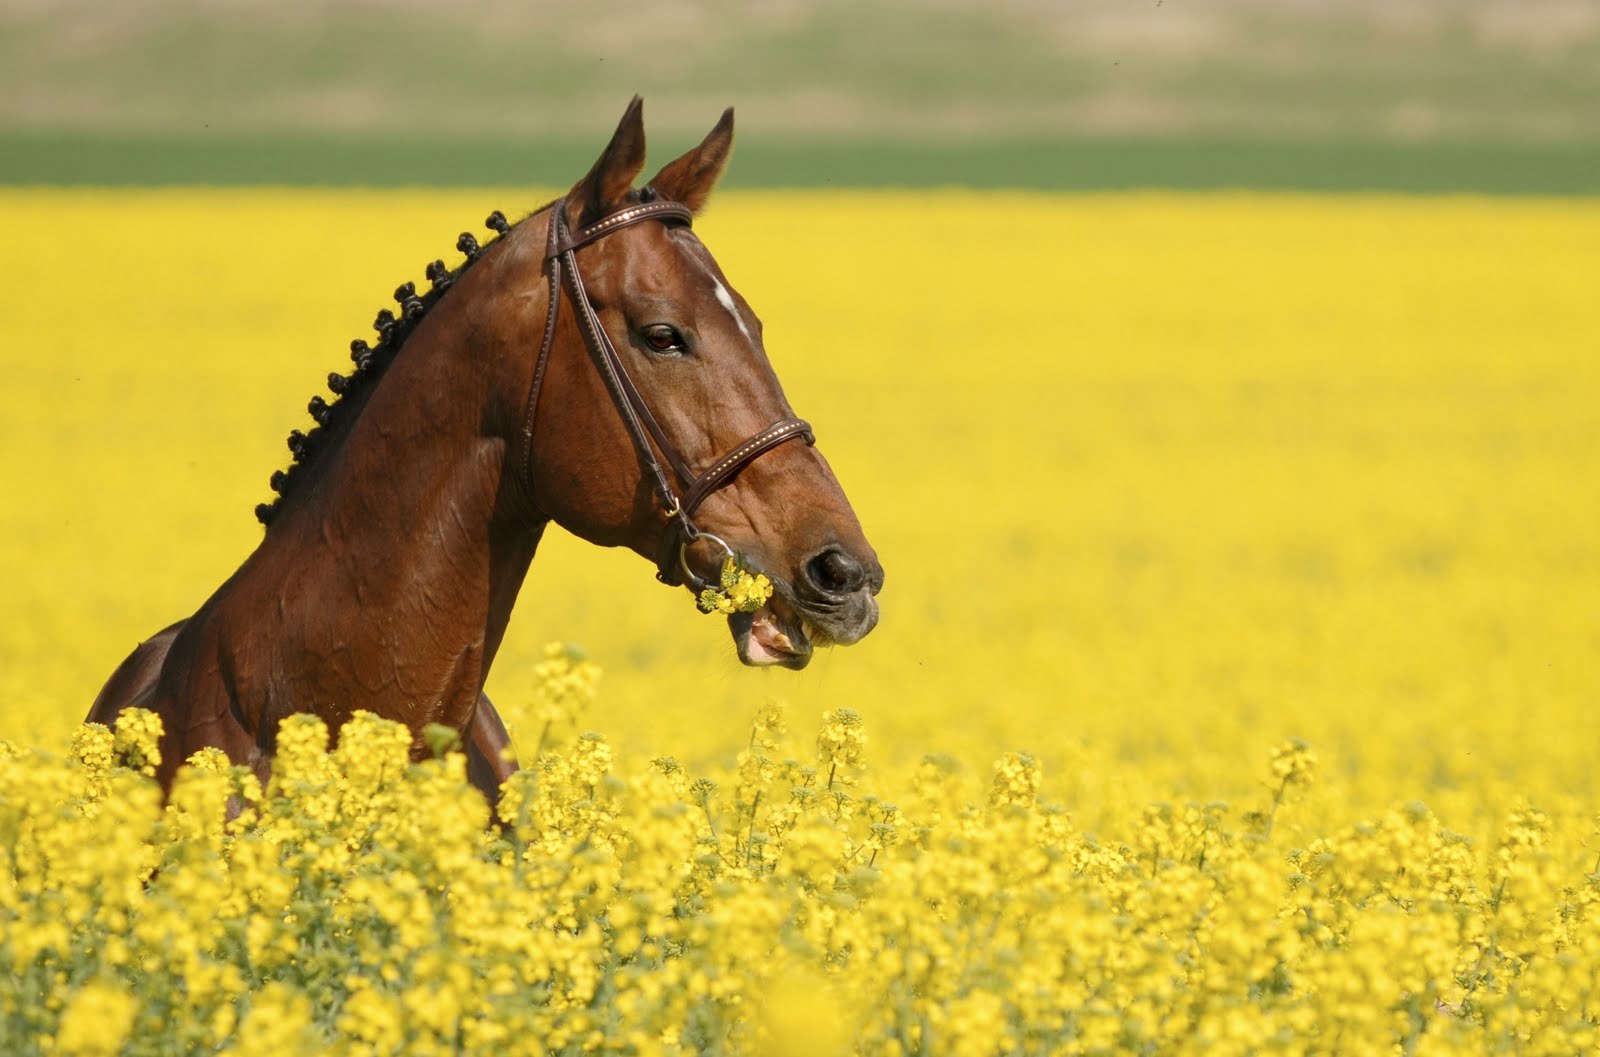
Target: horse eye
x,y
662,338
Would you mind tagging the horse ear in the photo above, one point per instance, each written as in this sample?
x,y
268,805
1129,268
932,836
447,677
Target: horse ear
x,y
605,189
690,179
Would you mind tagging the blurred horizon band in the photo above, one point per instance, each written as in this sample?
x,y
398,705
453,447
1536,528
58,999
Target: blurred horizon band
x,y
202,159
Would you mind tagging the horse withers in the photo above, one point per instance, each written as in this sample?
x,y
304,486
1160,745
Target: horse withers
x,y
590,365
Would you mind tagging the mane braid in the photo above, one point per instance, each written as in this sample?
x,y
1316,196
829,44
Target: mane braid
x,y
350,392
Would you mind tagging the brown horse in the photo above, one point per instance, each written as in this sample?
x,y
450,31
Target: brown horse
x,y
574,369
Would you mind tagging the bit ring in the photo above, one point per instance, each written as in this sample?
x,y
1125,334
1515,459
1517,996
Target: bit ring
x,y
683,553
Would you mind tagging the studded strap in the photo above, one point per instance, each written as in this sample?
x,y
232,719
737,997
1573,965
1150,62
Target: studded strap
x,y
622,218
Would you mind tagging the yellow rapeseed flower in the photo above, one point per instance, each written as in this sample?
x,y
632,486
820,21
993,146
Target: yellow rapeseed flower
x,y
739,590
96,1020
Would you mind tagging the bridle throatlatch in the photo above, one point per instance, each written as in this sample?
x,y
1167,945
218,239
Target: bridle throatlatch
x,y
561,263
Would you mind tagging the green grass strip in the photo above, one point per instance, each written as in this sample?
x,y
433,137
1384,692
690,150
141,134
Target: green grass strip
x,y
1568,169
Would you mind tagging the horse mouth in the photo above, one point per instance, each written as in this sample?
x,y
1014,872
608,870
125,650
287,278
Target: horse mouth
x,y
773,635
786,631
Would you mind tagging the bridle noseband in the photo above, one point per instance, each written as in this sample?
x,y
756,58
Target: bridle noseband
x,y
672,560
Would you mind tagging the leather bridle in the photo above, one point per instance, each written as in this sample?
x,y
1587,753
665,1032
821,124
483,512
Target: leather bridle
x,y
672,562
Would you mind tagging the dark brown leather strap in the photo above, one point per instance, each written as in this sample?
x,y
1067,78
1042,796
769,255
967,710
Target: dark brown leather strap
x,y
553,277
623,393
622,218
647,434
727,468
722,472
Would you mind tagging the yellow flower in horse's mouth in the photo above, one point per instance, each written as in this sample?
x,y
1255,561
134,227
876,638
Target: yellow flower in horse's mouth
x,y
740,591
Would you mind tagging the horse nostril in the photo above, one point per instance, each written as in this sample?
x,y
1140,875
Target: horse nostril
x,y
836,573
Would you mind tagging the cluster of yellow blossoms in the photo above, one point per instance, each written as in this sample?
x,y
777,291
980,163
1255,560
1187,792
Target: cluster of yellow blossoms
x,y
1286,464
361,904
739,590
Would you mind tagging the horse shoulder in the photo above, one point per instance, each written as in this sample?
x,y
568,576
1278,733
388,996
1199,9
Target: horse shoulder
x,y
133,683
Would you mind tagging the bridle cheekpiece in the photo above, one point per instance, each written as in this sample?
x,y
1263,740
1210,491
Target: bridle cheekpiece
x,y
678,507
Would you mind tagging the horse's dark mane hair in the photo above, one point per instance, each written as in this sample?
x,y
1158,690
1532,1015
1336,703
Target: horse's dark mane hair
x,y
350,391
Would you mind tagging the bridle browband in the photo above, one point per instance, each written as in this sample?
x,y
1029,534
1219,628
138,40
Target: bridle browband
x,y
672,564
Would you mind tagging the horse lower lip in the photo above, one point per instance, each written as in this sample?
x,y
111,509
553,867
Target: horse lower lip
x,y
764,640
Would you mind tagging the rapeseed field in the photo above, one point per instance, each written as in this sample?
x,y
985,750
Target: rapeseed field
x,y
1235,690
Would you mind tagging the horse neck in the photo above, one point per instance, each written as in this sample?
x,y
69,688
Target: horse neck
x,y
416,516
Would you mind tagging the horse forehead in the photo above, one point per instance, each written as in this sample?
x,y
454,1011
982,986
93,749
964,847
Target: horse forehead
x,y
709,272
685,268
663,262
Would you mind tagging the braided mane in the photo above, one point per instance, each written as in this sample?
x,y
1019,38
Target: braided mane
x,y
350,391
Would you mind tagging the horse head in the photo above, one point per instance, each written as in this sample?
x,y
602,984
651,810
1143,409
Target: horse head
x,y
655,420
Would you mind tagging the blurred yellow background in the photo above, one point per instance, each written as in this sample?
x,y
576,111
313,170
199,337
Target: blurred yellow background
x,y
1158,480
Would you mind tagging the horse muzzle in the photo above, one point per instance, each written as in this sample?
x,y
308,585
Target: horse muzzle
x,y
794,622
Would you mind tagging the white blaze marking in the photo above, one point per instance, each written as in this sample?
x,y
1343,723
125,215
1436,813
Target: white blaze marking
x,y
733,309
